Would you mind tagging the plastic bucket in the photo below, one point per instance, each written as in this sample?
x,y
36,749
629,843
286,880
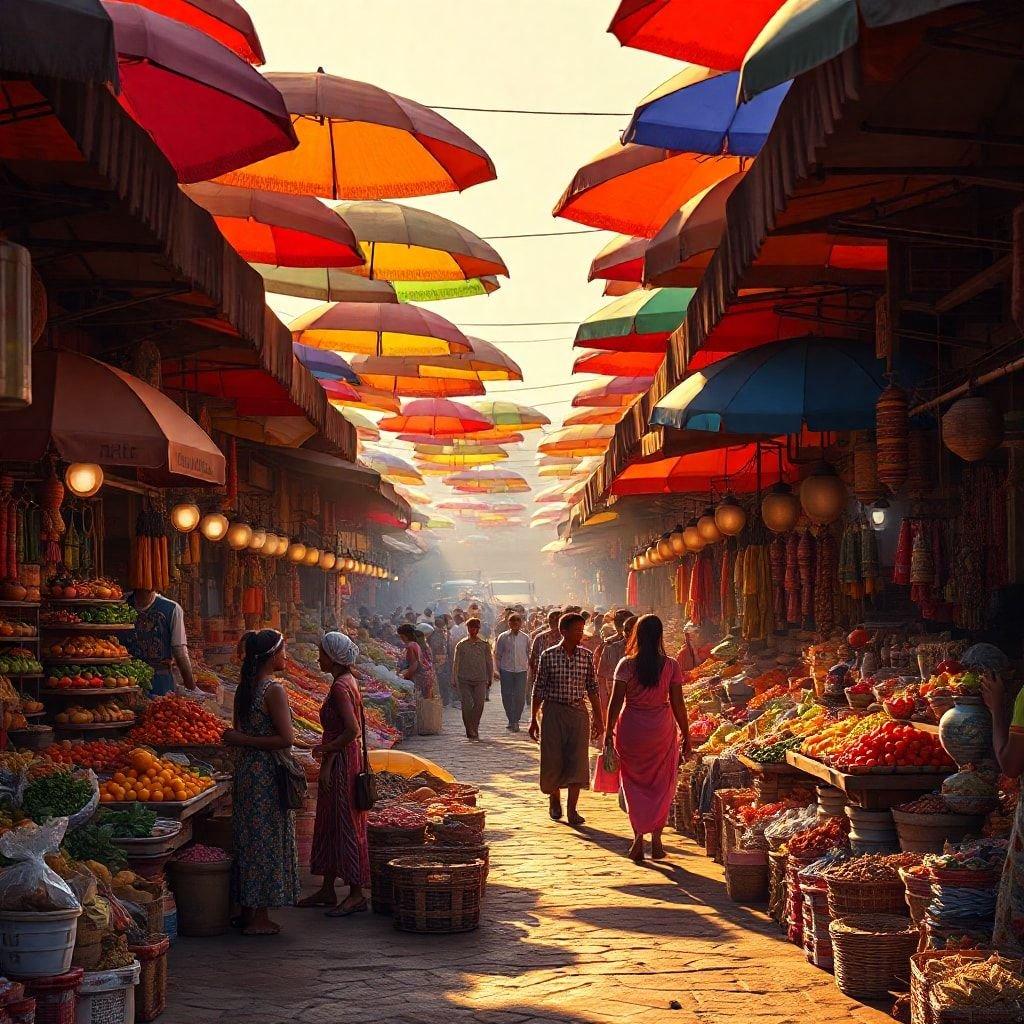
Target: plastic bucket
x,y
37,945
108,997
202,893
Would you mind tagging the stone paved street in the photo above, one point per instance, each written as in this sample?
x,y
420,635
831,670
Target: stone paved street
x,y
572,931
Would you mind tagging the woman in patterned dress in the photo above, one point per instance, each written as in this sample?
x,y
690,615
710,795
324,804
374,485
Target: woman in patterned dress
x,y
340,850
265,873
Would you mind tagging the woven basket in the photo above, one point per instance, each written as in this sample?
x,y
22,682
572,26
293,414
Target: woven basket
x,y
381,889
436,898
866,898
377,836
892,427
712,836
380,882
472,819
746,883
777,887
866,486
972,428
920,986
872,953
462,791
151,991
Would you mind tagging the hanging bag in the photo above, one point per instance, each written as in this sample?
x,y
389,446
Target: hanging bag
x,y
291,781
365,790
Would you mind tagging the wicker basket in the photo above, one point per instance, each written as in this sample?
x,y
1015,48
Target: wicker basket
x,y
892,442
777,887
972,427
866,897
712,836
920,986
872,953
746,877
380,882
381,889
473,819
436,898
381,837
151,991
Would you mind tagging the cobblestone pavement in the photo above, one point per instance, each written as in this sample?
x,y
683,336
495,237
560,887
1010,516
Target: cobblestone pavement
x,y
572,932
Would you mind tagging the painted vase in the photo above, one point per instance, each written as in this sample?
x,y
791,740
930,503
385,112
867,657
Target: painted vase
x,y
965,731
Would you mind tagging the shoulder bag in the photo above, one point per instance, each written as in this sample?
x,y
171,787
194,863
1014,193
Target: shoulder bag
x,y
291,781
364,794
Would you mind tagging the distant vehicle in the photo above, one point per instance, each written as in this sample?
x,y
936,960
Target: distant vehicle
x,y
450,593
510,592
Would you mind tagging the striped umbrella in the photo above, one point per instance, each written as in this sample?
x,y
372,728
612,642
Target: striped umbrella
x,y
325,284
641,321
487,481
511,417
618,392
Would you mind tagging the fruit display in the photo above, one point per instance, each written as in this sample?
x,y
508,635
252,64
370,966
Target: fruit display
x,y
900,706
825,744
96,615
79,677
177,721
91,648
99,755
150,778
30,706
12,589
71,587
891,745
19,661
13,629
773,753
138,671
107,712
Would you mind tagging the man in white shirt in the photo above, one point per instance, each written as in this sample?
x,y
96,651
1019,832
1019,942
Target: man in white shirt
x,y
512,657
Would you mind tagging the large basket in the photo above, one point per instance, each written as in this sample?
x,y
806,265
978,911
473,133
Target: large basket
x,y
151,991
777,887
381,837
712,837
381,888
380,881
872,953
865,897
431,897
920,985
474,819
746,877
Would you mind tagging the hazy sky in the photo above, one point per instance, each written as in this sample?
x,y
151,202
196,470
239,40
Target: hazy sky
x,y
532,54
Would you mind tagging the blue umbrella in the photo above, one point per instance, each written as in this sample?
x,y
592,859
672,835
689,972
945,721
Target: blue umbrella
x,y
778,388
324,364
696,112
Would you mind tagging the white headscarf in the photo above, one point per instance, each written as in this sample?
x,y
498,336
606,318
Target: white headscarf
x,y
339,648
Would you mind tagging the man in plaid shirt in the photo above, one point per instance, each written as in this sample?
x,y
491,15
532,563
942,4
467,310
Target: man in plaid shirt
x,y
565,682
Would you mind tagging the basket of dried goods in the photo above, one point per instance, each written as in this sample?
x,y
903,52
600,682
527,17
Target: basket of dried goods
x,y
870,884
927,968
979,991
453,833
433,897
917,891
746,876
925,825
872,953
396,826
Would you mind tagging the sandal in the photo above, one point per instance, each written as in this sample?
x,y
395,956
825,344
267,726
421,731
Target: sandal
x,y
343,911
316,900
259,929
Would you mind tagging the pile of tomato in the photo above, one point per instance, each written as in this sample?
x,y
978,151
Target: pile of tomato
x,y
894,744
177,721
100,755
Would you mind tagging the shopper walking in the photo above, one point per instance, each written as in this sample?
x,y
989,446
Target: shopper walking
x,y
612,651
415,664
542,641
646,717
340,851
565,682
473,670
512,654
265,872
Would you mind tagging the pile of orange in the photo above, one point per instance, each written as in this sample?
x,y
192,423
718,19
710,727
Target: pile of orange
x,y
177,721
152,778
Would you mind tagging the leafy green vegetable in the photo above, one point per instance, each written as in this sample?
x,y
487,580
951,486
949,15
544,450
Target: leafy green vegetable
x,y
134,823
55,796
94,842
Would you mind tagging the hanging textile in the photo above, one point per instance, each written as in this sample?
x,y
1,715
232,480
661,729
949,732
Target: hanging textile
x,y
777,557
806,562
632,590
825,583
727,586
791,581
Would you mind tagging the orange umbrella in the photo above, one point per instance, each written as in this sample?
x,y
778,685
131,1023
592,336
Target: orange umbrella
x,y
487,481
483,361
614,364
365,398
437,417
618,392
392,468
635,189
591,439
401,376
732,468
613,289
479,437
591,417
359,141
459,458
377,328
621,260
223,20
288,231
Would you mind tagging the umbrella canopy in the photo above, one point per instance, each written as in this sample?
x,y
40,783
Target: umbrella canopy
x,y
615,364
391,468
477,439
207,110
414,495
641,321
326,284
223,20
511,417
484,362
440,523
567,470
462,505
778,388
365,398
381,329
732,469
553,547
487,481
446,455
505,508
713,35
548,516
621,260
401,375
436,417
618,392
358,141
325,365
591,439
290,231
696,111
91,412
592,417
635,189
555,494
276,431
366,429
406,244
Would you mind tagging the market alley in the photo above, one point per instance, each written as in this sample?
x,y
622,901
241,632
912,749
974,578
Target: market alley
x,y
572,931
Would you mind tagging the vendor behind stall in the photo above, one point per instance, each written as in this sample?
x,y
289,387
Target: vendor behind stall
x,y
159,639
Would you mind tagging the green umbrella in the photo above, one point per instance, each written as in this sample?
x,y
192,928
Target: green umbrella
x,y
638,322
329,285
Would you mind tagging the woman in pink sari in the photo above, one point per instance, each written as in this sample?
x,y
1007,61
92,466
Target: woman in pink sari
x,y
646,717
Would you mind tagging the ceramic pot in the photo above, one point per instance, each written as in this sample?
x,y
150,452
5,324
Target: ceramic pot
x,y
965,731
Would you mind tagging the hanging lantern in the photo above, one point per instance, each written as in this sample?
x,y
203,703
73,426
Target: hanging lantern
x,y
879,514
642,563
691,536
780,509
708,528
892,427
282,546
676,540
348,564
730,517
823,495
312,556
185,517
15,327
342,581
665,551
972,428
296,551
328,560
269,549
258,539
653,558
866,485
213,526
83,479
239,535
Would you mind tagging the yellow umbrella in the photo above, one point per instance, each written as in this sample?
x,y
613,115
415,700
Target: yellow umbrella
x,y
392,468
487,481
458,457
368,398
511,417
279,431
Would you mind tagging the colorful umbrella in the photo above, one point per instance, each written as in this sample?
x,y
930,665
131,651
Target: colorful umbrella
x,y
613,289
567,470
440,523
696,111
615,364
487,481
324,365
366,429
600,519
462,505
277,431
557,493
823,383
635,189
548,516
406,244
641,321
290,231
479,437
436,417
361,142
621,260
392,468
253,392
713,35
375,328
223,20
414,495
618,392
328,285
506,508
401,376
365,398
455,455
483,361
207,110
581,440
733,469
511,417
592,417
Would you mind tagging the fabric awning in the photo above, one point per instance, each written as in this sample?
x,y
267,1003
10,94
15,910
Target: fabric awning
x,y
92,412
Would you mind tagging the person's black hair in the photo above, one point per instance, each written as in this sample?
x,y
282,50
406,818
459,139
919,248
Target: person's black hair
x,y
255,647
566,622
407,629
646,646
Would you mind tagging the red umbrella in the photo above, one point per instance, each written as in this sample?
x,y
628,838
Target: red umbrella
x,y
733,468
223,20
615,364
436,417
622,259
480,437
286,231
207,110
618,392
594,417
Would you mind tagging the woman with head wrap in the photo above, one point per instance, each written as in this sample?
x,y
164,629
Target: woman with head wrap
x,y
340,851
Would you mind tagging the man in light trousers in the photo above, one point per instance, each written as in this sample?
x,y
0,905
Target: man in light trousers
x,y
472,672
512,654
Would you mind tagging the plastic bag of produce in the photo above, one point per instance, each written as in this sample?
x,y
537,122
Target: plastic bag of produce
x,y
31,884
